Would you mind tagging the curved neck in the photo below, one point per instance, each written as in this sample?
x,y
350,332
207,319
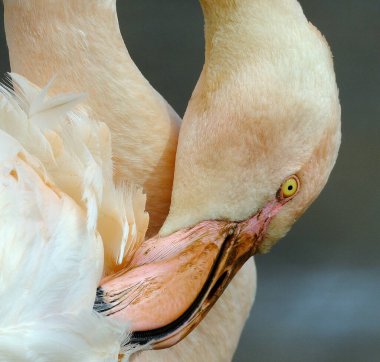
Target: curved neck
x,y
218,17
79,42
239,31
47,38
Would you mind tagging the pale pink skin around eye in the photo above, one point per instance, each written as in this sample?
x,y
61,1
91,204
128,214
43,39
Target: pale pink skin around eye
x,y
167,273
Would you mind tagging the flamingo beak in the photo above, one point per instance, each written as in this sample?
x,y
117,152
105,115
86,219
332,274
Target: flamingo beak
x,y
174,281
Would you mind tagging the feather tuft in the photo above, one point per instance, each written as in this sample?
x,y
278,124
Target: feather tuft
x,y
63,224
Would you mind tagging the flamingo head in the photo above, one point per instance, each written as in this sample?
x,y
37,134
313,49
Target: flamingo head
x,y
257,144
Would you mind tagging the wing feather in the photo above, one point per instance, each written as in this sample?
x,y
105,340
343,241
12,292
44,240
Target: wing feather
x,y
76,153
59,208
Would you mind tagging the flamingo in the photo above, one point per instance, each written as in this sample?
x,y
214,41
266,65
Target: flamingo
x,y
245,170
80,43
43,39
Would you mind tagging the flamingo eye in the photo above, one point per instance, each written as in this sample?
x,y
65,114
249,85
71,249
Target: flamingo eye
x,y
290,187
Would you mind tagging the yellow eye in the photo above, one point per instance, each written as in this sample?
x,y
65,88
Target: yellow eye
x,y
290,187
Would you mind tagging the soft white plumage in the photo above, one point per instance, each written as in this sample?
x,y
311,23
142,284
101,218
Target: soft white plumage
x,y
56,197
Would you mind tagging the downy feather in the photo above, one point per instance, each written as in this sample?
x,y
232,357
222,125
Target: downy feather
x,y
59,208
76,152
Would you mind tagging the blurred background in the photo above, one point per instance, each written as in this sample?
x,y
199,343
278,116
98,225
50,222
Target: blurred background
x,y
318,295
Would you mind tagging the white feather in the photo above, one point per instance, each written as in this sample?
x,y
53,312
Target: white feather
x,y
58,203
76,152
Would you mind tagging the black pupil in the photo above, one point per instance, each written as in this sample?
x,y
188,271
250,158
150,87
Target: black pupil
x,y
290,187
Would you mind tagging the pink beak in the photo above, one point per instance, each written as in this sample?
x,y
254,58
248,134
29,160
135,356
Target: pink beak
x,y
172,282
